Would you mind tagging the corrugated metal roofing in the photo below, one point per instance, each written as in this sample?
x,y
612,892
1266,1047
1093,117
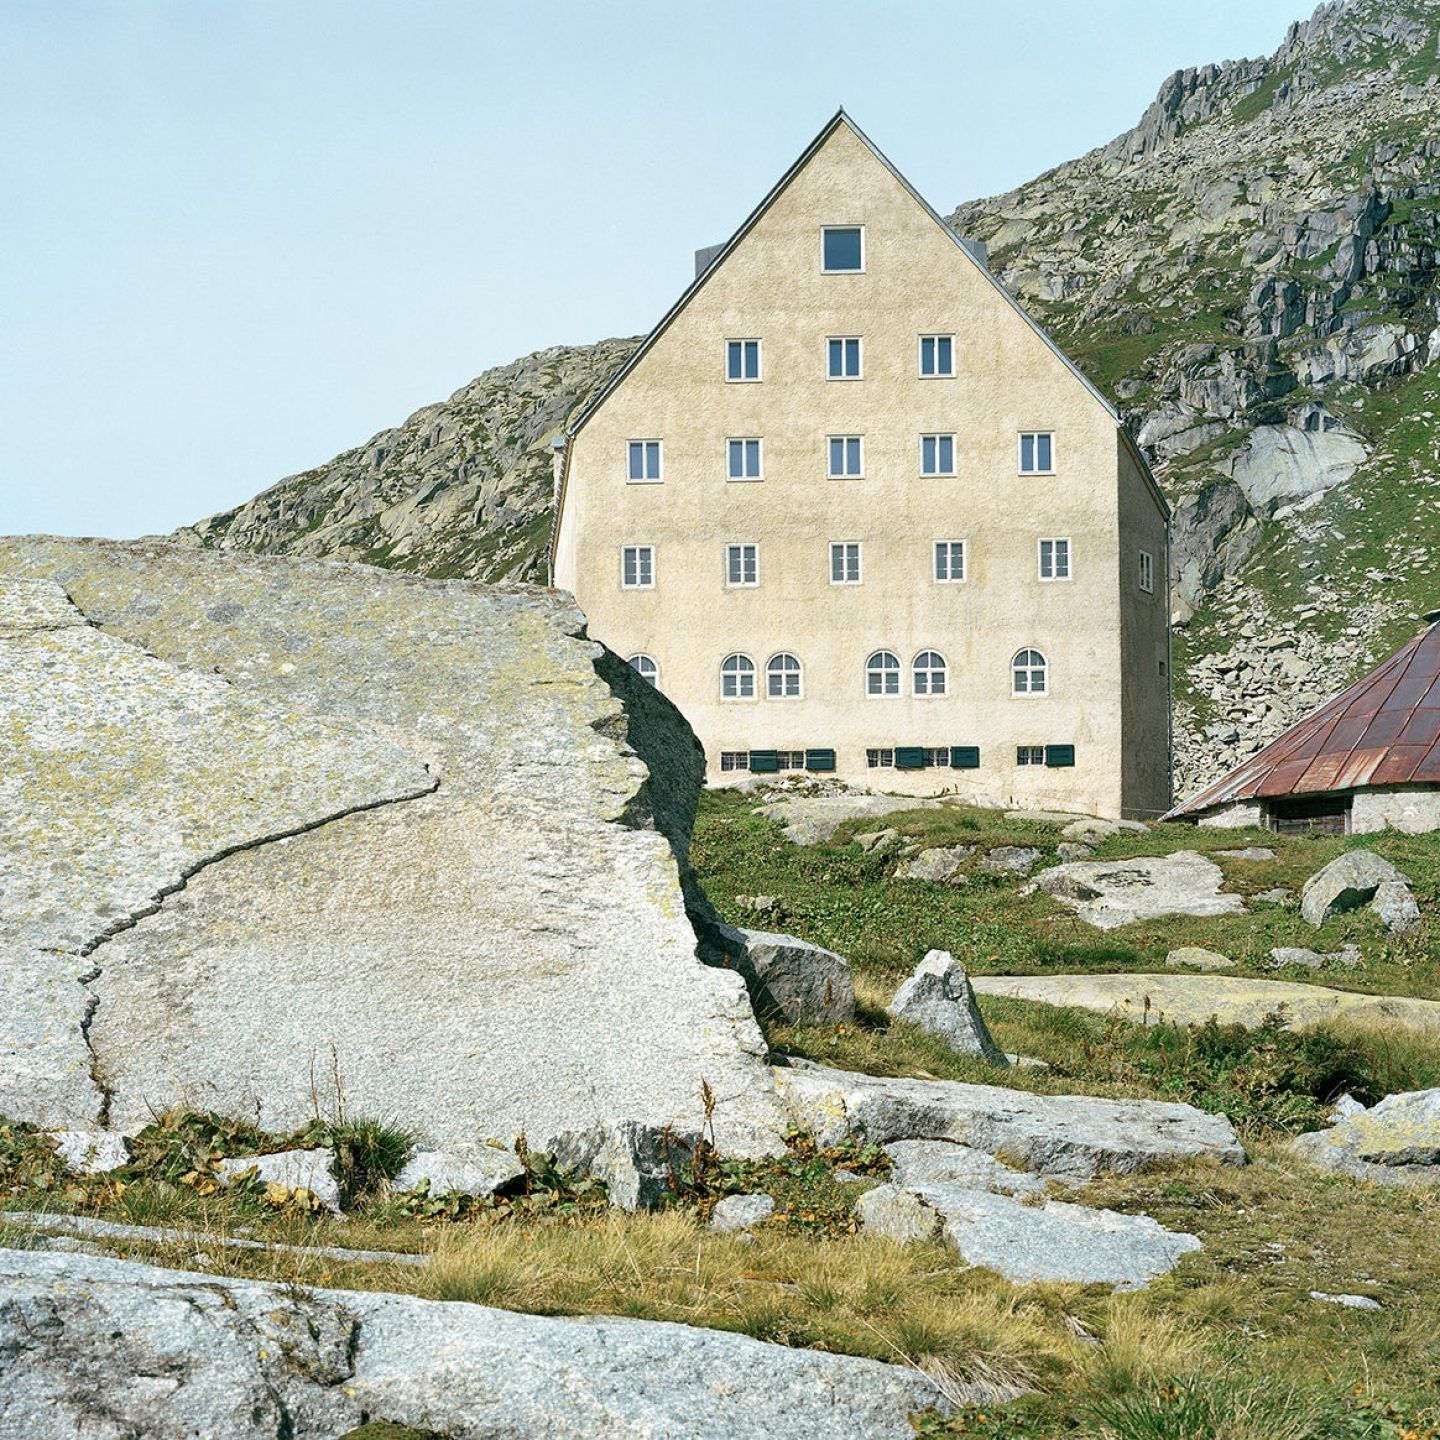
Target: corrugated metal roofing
x,y
1383,730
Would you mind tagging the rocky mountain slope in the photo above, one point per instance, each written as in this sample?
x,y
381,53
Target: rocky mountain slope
x,y
1250,272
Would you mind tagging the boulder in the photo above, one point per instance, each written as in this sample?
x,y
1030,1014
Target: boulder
x,y
1396,906
1283,955
1109,893
789,979
915,1163
1346,883
1248,852
292,1170
459,1170
741,1212
1067,1136
938,999
349,838
172,1355
813,819
1196,957
876,842
893,1213
637,1163
1068,850
1351,1302
1091,830
1010,860
1396,1142
940,865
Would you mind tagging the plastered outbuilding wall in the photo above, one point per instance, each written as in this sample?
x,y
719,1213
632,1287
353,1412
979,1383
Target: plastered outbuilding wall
x,y
1105,696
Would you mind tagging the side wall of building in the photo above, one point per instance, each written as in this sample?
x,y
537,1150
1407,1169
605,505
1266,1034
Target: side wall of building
x,y
1145,644
1007,380
1413,809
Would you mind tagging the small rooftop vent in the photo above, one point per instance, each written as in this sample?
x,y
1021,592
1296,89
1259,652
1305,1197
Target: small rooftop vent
x,y
705,256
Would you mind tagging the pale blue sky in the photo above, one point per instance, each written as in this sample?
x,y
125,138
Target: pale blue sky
x,y
239,237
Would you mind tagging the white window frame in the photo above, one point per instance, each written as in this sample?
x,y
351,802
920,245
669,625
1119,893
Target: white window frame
x,y
649,660
1147,572
659,476
1020,452
1030,761
898,672
859,354
930,670
738,699
884,757
937,436
856,475
742,546
798,672
734,760
1052,541
1043,667
864,256
859,561
759,374
920,357
639,584
950,579
759,443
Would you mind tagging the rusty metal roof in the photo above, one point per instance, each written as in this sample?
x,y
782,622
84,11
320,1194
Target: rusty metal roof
x,y
1383,730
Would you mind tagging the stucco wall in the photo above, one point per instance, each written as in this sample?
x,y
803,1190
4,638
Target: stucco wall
x,y
917,280
1413,810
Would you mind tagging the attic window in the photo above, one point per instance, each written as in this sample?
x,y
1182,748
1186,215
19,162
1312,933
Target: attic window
x,y
842,249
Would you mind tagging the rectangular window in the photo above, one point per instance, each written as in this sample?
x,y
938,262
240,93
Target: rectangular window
x,y
843,357
1037,452
937,454
842,249
950,561
742,359
880,759
742,565
743,459
644,461
637,567
1029,754
790,759
734,759
846,457
937,356
844,562
935,757
1147,572
1054,559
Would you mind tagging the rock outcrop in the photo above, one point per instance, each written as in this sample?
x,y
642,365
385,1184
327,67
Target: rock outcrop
x,y
1110,893
299,836
1346,883
1396,1142
172,1355
938,999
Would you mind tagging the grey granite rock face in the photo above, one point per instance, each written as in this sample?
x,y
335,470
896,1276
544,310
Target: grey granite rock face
x,y
1396,1142
1068,1136
1010,860
741,1212
509,954
790,979
90,1152
940,865
172,1355
1395,904
1109,893
460,1170
120,775
895,1213
811,819
1346,883
1283,955
943,1162
938,999
312,1170
1196,957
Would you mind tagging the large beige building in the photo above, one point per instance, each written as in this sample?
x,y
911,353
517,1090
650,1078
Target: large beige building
x,y
855,513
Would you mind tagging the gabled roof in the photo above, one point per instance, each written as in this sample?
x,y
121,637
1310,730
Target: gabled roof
x,y
723,252
1383,730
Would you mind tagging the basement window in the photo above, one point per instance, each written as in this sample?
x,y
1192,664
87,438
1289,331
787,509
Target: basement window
x,y
1310,815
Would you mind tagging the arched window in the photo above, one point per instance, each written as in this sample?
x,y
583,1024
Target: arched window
x,y
1029,673
882,674
645,668
930,674
737,678
782,677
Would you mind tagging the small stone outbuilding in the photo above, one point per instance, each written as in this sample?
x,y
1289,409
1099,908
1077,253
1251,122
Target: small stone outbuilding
x,y
1367,760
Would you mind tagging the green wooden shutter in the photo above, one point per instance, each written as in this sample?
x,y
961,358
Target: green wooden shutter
x,y
964,757
1060,755
764,762
819,759
909,757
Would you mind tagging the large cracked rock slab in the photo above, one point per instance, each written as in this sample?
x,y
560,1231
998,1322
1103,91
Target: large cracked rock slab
x,y
1346,883
120,775
813,819
1110,893
1193,999
509,954
171,1355
1068,1136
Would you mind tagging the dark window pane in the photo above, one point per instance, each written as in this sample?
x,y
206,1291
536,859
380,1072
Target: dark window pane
x,y
842,249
